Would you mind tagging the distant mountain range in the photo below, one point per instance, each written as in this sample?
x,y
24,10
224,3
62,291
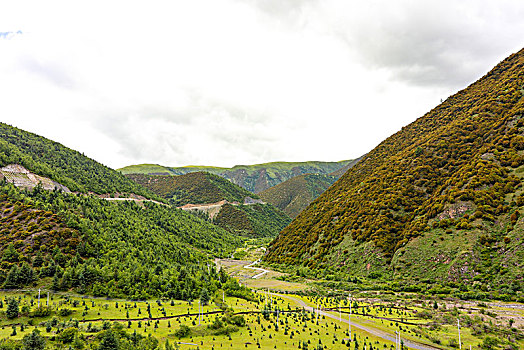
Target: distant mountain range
x,y
254,178
439,200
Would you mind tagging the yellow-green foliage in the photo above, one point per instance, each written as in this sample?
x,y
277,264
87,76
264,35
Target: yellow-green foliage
x,y
462,150
294,195
261,220
31,231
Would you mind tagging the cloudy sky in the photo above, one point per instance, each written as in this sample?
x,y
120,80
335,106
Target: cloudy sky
x,y
225,82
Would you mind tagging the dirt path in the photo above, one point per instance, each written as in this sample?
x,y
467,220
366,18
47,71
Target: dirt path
x,y
262,271
376,332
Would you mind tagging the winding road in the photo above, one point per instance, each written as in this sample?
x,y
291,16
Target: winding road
x,y
250,266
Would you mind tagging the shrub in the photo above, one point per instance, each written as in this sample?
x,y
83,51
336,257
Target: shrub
x,y
182,332
65,312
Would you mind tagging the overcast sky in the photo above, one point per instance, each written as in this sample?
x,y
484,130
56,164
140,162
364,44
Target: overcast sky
x,y
225,82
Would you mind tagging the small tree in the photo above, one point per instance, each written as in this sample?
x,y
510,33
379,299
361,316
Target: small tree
x,y
204,297
12,308
33,341
183,331
109,341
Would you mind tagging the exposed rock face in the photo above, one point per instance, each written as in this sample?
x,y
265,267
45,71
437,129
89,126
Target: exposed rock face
x,y
21,177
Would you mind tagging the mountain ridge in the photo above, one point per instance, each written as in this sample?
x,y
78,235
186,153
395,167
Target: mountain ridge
x,y
294,195
255,178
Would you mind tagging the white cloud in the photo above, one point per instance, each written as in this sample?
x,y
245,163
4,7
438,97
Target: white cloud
x,y
237,82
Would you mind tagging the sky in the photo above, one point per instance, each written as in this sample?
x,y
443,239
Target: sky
x,y
227,82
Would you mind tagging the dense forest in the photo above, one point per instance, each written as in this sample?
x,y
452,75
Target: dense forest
x,y
257,220
104,248
94,246
456,170
61,164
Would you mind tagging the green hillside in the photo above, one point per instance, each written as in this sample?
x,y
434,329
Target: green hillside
x,y
257,220
80,242
440,198
61,164
253,219
194,188
294,195
254,178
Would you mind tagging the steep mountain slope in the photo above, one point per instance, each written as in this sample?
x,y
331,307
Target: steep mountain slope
x,y
254,219
294,195
254,178
61,164
339,172
194,188
82,242
453,173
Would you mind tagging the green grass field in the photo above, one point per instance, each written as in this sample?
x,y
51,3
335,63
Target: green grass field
x,y
271,321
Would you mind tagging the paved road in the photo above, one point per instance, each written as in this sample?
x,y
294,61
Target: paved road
x,y
376,332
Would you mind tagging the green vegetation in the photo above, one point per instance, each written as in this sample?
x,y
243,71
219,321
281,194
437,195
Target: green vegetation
x,y
61,164
79,242
193,188
109,249
259,220
294,195
254,178
455,171
253,220
265,322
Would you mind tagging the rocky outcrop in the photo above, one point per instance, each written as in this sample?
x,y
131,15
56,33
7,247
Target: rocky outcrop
x,y
23,178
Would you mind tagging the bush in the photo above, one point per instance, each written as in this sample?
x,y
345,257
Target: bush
x,y
41,312
238,320
226,330
182,332
65,312
33,341
67,335
489,343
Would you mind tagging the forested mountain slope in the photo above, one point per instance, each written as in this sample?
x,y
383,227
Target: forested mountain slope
x,y
195,188
61,164
294,195
440,198
252,219
80,242
254,178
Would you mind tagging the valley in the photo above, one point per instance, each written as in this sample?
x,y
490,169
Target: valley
x,y
419,244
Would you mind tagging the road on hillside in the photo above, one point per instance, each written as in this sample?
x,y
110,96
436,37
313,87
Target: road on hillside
x,y
376,332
